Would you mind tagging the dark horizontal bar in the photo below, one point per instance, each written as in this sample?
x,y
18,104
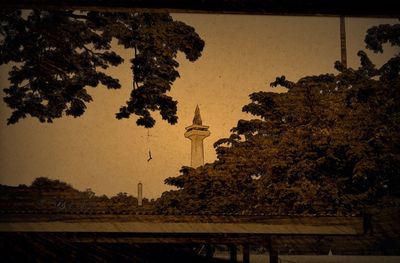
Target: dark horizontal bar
x,y
356,8
154,228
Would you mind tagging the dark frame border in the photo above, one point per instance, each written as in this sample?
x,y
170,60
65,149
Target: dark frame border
x,y
355,8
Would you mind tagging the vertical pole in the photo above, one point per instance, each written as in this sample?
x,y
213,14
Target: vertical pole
x,y
232,253
273,254
343,51
246,253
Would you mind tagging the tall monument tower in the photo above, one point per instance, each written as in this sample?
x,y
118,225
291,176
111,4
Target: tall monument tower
x,y
197,132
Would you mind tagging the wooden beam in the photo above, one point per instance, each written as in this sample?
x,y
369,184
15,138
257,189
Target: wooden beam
x,y
281,228
164,240
357,8
230,218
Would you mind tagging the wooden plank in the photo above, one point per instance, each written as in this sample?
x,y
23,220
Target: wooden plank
x,y
229,218
382,8
182,228
94,238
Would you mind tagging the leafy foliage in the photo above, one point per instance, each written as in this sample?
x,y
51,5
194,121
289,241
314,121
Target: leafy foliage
x,y
206,190
58,54
329,144
46,183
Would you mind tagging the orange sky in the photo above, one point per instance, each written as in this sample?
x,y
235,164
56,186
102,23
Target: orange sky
x,y
242,54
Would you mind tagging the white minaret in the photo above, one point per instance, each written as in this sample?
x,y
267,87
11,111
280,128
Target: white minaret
x,y
197,132
139,194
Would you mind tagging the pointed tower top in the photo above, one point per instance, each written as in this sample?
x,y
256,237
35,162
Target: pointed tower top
x,y
197,118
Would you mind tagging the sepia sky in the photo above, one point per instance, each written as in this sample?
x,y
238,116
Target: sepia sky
x,y
242,54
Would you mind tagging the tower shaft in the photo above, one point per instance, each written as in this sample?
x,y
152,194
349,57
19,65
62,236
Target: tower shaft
x,y
197,148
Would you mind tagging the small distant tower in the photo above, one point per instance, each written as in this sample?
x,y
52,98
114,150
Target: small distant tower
x,y
140,194
197,132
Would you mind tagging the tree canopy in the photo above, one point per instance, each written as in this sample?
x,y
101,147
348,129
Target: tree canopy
x,y
58,54
330,144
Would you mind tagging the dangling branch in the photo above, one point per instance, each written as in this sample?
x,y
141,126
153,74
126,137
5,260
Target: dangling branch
x,y
148,144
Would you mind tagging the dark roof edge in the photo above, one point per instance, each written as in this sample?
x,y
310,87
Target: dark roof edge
x,y
353,8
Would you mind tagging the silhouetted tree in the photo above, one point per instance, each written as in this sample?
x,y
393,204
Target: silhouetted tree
x,y
58,54
50,184
331,143
49,195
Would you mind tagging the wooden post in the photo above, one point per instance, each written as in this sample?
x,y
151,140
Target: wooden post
x,y
232,253
209,251
246,253
273,254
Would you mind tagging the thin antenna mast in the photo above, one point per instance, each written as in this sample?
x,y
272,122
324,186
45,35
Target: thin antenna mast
x,y
343,51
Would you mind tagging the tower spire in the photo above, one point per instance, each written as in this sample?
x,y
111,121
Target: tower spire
x,y
196,133
197,117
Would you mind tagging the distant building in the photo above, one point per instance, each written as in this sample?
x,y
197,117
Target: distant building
x,y
196,133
